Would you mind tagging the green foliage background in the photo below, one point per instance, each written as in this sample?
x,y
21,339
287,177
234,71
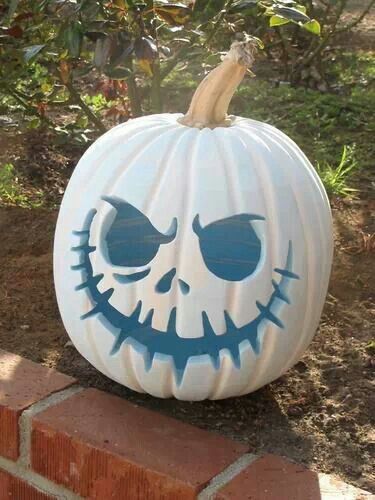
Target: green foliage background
x,y
77,67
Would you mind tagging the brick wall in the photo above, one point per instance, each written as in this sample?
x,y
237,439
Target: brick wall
x,y
58,440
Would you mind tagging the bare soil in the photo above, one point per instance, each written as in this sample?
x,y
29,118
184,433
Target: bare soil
x,y
362,35
320,413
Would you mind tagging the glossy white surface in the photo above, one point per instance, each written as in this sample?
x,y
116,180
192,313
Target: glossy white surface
x,y
167,170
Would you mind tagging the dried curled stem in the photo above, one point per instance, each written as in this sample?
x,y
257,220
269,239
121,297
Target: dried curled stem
x,y
210,102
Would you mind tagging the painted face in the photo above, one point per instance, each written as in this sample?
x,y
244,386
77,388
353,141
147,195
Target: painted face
x,y
136,278
200,258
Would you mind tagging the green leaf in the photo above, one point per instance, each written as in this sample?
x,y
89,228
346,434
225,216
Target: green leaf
x,y
82,71
167,3
171,13
205,10
102,52
313,26
240,5
73,39
117,73
145,48
291,14
12,8
32,51
46,88
256,40
82,122
301,8
278,21
33,123
90,9
200,5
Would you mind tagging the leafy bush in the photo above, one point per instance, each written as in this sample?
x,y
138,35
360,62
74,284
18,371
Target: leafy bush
x,y
78,66
52,50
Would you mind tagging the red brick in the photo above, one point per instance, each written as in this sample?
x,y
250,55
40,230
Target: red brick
x,y
101,446
272,478
22,383
14,488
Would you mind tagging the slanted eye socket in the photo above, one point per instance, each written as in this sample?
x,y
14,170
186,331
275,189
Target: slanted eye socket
x,y
132,240
230,247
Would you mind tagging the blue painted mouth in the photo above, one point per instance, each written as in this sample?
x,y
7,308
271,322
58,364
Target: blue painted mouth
x,y
151,341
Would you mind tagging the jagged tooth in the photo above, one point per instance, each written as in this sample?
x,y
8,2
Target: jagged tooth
x,y
112,201
287,273
92,281
275,319
105,296
254,342
77,267
137,311
97,278
269,315
263,309
86,248
78,248
234,350
148,319
172,321
83,285
79,233
149,359
215,360
208,331
180,370
279,293
229,322
117,343
94,311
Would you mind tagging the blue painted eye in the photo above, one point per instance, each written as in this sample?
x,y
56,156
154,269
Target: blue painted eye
x,y
230,247
132,240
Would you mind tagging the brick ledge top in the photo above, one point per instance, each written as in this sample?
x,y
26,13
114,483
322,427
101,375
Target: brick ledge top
x,y
90,444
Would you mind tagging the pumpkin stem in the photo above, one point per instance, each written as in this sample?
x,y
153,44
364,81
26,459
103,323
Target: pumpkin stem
x,y
210,102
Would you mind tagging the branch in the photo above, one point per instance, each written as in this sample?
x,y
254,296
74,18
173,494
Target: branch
x,y
28,107
134,97
286,51
359,19
75,96
68,102
325,39
172,63
217,23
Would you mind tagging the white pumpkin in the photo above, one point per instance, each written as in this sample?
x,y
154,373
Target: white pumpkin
x,y
192,255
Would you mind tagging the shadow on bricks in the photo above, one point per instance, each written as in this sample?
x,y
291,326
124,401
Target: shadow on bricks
x,y
256,418
22,383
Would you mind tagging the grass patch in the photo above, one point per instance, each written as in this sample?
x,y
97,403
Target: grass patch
x,y
12,192
353,68
322,124
336,179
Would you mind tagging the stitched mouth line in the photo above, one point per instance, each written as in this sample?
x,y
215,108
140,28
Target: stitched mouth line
x,y
151,342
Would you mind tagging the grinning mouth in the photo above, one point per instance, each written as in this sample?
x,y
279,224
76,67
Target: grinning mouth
x,y
151,342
